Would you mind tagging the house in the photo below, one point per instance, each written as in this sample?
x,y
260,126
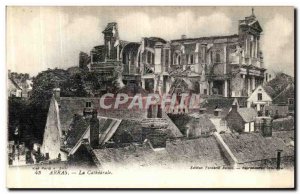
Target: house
x,y
284,87
14,90
241,119
260,98
73,120
269,75
286,97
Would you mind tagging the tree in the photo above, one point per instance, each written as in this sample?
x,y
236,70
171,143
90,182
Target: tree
x,y
75,86
42,91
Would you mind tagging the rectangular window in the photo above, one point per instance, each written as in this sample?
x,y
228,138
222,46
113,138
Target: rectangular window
x,y
192,59
148,57
88,104
167,58
291,101
218,58
259,96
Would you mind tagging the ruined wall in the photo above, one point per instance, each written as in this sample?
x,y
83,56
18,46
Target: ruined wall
x,y
237,85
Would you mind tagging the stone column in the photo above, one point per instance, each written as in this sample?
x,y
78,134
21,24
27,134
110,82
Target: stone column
x,y
249,86
253,83
143,83
226,88
155,84
210,84
118,53
256,49
225,59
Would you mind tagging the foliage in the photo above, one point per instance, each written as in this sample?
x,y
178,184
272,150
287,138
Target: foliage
x,y
31,116
19,76
43,85
74,86
19,120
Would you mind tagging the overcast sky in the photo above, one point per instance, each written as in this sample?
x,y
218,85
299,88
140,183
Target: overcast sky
x,y
47,37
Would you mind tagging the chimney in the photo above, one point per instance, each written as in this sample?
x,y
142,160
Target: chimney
x,y
266,128
234,107
56,93
278,159
183,36
94,130
202,110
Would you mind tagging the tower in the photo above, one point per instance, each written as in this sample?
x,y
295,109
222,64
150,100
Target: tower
x,y
249,34
111,41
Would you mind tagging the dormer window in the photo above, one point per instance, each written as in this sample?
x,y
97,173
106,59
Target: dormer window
x,y
88,104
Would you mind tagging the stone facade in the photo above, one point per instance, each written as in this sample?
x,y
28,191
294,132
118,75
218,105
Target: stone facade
x,y
228,66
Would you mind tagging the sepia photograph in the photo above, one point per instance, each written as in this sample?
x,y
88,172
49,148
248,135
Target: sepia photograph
x,y
150,97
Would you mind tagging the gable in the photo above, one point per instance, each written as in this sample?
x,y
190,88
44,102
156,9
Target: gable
x,y
254,96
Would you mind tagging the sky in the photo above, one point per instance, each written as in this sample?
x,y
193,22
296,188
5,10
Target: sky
x,y
39,38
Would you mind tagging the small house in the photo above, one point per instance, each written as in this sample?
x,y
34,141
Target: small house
x,y
241,119
260,98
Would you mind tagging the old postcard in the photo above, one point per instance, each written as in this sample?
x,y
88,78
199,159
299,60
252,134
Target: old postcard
x,y
150,97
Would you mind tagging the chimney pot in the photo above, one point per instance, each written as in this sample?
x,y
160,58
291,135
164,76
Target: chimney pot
x,y
183,36
234,107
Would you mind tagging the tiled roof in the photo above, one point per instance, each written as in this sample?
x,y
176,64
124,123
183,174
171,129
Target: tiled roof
x,y
211,103
14,83
130,127
288,92
201,151
249,147
269,90
200,123
248,114
288,137
75,105
78,127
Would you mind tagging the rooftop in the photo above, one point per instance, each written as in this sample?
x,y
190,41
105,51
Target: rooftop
x,y
248,147
248,114
201,151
